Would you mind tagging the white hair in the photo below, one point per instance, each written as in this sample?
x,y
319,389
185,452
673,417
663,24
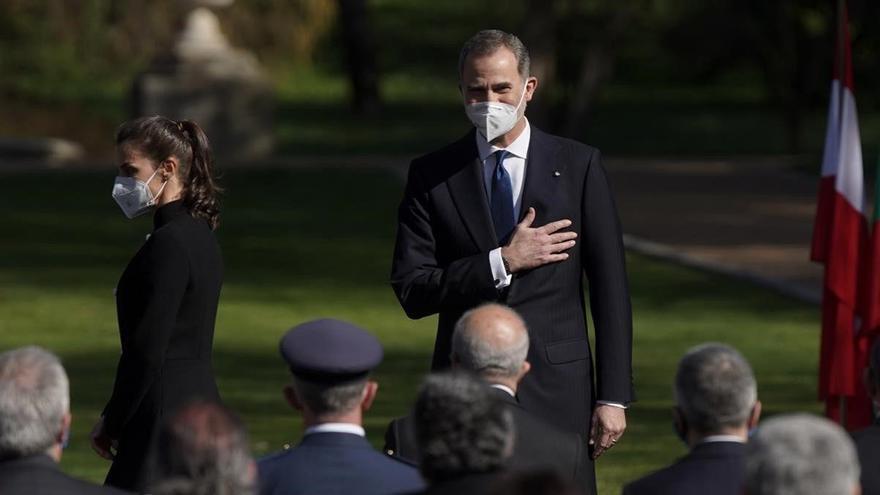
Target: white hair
x,y
801,454
34,397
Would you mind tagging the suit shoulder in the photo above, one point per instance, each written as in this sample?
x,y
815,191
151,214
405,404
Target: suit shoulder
x,y
271,461
577,152
567,144
439,163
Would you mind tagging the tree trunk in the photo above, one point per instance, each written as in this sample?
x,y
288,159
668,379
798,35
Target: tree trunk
x,y
360,51
539,35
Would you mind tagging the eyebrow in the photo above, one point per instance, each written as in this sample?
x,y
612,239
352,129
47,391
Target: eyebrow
x,y
495,87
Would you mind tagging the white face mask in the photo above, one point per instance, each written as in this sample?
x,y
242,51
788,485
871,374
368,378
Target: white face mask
x,y
134,196
494,119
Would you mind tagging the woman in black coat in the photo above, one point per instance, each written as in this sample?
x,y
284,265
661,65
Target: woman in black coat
x,y
166,299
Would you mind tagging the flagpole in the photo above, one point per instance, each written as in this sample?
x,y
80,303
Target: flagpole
x,y
841,74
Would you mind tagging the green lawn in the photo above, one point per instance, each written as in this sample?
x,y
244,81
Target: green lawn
x,y
308,243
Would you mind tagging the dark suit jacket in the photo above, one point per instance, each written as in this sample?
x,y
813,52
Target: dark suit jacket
x,y
40,475
716,467
166,303
538,444
468,484
441,265
336,463
868,445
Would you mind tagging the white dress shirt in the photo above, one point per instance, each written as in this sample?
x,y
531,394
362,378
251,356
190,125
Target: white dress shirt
x,y
336,428
505,388
515,165
722,438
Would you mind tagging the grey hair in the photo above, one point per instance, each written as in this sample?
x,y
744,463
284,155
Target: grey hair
x,y
323,398
488,41
203,450
34,397
801,454
478,355
460,427
715,388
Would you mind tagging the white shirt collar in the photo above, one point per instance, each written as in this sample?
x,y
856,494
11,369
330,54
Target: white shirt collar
x,y
519,147
722,438
504,387
336,428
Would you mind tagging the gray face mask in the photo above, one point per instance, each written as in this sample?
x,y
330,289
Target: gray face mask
x,y
133,196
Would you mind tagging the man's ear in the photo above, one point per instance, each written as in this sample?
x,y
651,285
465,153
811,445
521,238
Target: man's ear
x,y
370,391
755,416
64,431
524,370
531,87
291,397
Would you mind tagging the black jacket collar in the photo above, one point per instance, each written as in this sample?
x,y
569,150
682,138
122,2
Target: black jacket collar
x,y
168,212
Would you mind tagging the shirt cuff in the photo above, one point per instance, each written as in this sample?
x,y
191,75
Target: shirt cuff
x,y
499,274
612,404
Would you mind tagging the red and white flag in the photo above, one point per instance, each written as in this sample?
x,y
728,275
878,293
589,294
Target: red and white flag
x,y
840,239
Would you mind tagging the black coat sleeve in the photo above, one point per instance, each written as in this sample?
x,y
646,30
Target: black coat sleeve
x,y
424,285
605,267
164,278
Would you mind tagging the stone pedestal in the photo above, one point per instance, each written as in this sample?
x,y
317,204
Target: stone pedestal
x,y
221,88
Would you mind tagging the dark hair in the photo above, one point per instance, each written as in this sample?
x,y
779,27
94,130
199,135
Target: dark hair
x,y
488,41
158,138
203,449
460,427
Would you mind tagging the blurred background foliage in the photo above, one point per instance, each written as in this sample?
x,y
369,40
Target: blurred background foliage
x,y
632,76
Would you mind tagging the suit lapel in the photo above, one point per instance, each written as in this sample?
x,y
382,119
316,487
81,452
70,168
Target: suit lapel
x,y
469,195
543,171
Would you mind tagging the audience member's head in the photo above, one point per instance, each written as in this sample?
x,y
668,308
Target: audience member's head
x,y
493,341
542,482
715,394
872,375
801,454
34,404
460,428
330,361
203,450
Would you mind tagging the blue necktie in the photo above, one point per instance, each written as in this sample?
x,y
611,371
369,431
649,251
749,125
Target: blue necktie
x,y
502,200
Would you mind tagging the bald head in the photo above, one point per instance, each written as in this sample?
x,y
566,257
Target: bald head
x,y
491,340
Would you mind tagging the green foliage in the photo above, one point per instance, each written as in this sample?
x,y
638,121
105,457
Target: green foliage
x,y
302,244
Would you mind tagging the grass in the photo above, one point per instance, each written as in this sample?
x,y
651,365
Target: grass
x,y
300,244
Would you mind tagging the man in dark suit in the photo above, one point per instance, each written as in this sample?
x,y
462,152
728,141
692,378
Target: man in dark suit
x,y
34,426
464,435
330,361
716,406
459,245
868,440
492,341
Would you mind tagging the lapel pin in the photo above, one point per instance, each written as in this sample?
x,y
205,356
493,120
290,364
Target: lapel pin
x,y
556,173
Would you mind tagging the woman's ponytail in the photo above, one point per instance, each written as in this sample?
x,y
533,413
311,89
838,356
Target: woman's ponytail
x,y
201,192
